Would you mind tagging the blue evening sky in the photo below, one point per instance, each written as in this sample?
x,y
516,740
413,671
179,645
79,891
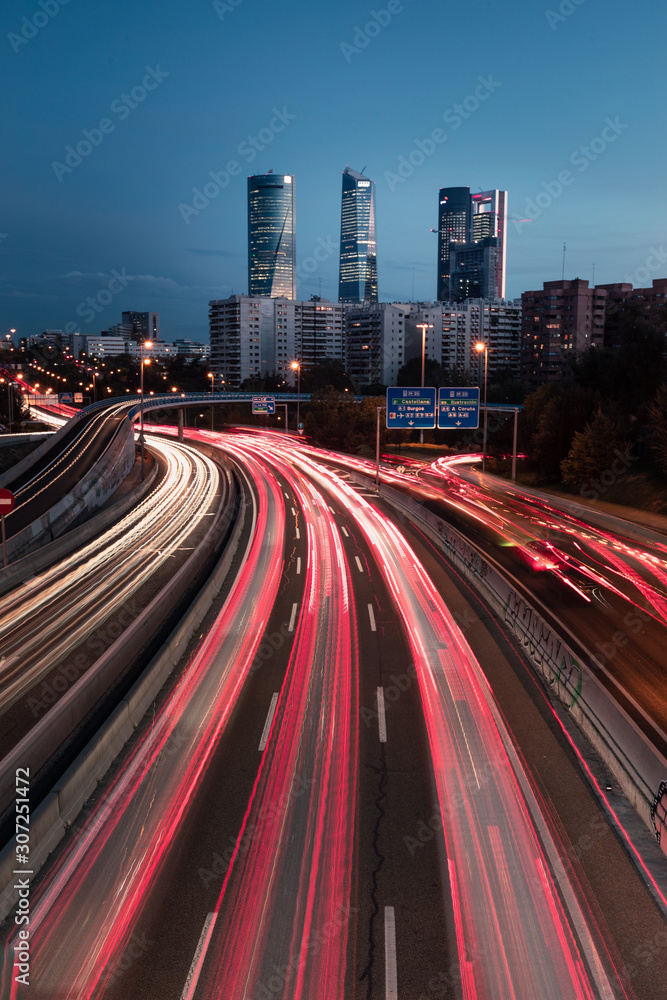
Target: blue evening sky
x,y
320,90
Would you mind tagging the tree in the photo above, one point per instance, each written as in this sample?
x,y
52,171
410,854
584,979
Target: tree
x,y
593,451
658,427
550,418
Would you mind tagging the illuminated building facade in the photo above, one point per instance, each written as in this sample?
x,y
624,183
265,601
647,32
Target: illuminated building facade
x,y
271,236
358,280
472,239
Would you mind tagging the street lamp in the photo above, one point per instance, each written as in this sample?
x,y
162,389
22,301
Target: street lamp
x,y
423,327
481,346
144,343
296,366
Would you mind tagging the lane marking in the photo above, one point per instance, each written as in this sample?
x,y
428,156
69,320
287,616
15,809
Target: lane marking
x,y
358,562
390,965
382,719
286,494
198,960
298,564
298,533
293,512
344,530
331,509
290,627
371,615
269,720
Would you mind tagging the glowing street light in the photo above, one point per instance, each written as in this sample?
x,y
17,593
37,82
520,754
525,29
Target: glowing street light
x,y
479,347
142,345
296,366
423,327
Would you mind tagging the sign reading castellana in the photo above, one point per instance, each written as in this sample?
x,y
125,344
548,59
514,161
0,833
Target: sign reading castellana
x,y
411,407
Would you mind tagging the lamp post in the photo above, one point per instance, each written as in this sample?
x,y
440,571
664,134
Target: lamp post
x,y
481,346
296,366
144,343
423,327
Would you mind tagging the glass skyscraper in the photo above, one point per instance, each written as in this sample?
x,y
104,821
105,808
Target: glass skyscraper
x,y
271,236
358,279
471,234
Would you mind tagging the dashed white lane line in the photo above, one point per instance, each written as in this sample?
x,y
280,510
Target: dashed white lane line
x,y
358,562
390,965
298,564
269,720
198,960
345,531
293,512
298,533
371,615
292,618
382,719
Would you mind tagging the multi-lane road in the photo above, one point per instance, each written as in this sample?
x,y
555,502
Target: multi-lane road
x,y
327,800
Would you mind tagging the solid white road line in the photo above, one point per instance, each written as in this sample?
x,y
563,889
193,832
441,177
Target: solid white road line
x,y
298,564
358,562
382,719
269,720
390,968
292,618
371,615
198,960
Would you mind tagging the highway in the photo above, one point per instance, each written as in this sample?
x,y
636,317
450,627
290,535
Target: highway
x,y
328,797
55,617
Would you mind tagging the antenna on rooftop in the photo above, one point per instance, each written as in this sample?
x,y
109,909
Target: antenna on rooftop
x,y
564,261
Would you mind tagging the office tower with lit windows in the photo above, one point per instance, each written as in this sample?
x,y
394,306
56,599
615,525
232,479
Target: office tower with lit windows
x,y
358,281
271,236
472,234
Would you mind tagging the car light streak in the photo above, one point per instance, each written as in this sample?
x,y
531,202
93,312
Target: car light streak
x,y
523,941
85,909
47,616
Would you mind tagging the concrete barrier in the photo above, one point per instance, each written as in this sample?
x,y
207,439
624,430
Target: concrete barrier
x,y
95,488
15,440
75,538
24,465
68,797
562,661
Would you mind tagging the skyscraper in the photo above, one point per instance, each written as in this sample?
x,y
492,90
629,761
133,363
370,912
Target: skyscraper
x,y
472,233
453,227
271,236
358,280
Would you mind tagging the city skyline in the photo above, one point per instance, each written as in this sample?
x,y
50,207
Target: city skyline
x,y
125,163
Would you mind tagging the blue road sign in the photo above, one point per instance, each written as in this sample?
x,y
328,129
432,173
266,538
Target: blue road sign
x,y
263,404
411,407
66,397
458,408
